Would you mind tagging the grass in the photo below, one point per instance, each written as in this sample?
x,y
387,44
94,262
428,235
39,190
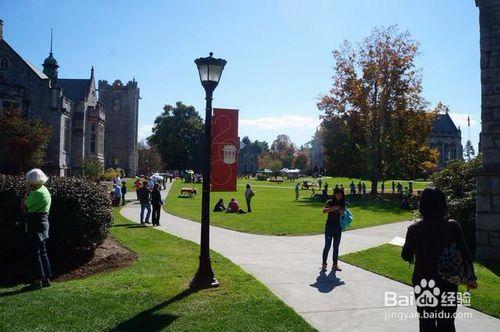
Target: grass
x,y
150,295
276,212
386,260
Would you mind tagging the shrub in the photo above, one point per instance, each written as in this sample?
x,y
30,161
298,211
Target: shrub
x,y
458,182
92,168
80,216
109,174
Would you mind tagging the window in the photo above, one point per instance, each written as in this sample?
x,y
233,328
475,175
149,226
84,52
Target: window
x,y
67,130
92,138
100,143
4,63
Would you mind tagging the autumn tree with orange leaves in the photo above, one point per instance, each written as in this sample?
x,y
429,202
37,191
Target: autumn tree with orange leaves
x,y
375,123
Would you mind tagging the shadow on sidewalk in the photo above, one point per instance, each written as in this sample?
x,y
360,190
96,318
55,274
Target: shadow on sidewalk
x,y
326,283
150,319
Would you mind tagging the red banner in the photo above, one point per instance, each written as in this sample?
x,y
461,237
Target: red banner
x,y
224,149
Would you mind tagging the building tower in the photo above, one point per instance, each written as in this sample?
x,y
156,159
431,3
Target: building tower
x,y
121,105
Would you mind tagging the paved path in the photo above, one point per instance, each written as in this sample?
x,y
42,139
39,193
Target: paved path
x,y
353,300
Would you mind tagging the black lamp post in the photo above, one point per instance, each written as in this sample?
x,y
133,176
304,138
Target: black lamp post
x,y
210,70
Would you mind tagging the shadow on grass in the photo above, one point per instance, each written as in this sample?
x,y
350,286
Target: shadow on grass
x,y
492,266
369,203
22,290
150,320
130,226
327,283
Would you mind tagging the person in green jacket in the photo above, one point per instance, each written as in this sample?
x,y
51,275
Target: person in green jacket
x,y
36,205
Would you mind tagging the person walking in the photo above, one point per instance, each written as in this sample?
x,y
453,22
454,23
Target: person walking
x,y
156,202
36,206
137,185
335,207
145,200
353,188
393,187
249,193
297,191
382,187
428,244
124,191
363,185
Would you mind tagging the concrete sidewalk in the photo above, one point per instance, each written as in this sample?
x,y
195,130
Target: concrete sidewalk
x,y
351,300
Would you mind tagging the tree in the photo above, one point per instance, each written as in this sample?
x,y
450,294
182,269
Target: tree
x,y
177,136
266,160
92,168
283,150
302,160
23,142
469,150
149,160
375,122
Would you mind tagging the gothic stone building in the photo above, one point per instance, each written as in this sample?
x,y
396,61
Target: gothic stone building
x,y
248,158
446,138
83,123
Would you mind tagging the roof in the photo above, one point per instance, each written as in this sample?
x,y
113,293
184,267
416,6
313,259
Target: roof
x,y
444,123
32,67
74,89
36,70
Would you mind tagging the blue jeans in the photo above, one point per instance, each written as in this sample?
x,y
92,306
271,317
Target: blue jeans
x,y
332,233
145,206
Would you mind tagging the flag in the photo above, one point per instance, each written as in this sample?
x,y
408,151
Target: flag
x,y
224,149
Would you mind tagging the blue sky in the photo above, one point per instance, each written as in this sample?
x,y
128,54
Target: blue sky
x,y
278,52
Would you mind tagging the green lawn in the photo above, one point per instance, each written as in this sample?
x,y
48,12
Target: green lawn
x,y
275,210
151,295
386,260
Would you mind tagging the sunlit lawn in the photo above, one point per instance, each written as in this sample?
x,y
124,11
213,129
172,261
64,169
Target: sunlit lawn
x,y
275,210
150,295
386,260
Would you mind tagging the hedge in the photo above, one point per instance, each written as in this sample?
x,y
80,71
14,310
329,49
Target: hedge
x,y
80,216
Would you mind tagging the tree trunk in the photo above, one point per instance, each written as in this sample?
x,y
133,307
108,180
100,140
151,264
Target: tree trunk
x,y
374,187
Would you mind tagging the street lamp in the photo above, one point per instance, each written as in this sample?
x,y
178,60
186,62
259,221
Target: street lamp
x,y
210,70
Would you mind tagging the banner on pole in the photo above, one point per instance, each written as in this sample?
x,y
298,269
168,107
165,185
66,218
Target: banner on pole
x,y
224,149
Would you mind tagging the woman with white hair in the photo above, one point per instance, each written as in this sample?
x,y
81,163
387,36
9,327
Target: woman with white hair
x,y
36,205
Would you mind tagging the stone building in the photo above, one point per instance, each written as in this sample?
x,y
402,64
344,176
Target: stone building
x,y
488,176
73,110
446,138
121,103
248,158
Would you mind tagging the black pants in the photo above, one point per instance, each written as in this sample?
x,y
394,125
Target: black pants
x,y
41,263
440,318
332,233
249,207
123,199
156,214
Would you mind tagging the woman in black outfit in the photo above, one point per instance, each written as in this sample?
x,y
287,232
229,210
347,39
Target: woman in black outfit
x,y
219,207
156,202
335,207
425,241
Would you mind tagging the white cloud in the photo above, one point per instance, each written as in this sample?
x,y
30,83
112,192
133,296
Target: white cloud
x,y
281,122
460,119
144,131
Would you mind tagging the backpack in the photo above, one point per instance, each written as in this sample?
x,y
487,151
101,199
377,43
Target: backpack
x,y
452,266
346,219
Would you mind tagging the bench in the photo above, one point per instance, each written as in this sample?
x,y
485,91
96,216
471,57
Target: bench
x,y
188,192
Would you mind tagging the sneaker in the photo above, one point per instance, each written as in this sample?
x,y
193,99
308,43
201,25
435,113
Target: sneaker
x,y
46,283
147,222
336,268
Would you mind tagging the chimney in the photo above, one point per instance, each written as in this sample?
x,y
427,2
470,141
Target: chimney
x,y
1,29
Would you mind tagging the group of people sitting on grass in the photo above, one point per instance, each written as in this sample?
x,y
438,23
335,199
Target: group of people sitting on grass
x,y
234,206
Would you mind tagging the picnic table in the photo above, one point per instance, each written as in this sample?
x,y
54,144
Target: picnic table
x,y
188,192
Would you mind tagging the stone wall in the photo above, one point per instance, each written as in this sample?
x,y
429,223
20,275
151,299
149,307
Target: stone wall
x,y
488,180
